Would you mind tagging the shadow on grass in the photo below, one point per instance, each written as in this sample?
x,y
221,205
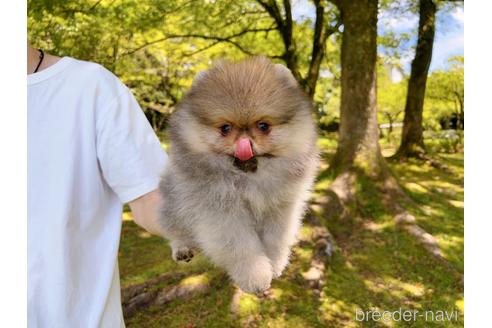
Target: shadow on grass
x,y
439,196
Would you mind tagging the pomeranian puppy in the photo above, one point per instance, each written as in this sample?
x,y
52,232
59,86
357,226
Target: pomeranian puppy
x,y
243,158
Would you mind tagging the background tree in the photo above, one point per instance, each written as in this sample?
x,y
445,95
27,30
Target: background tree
x,y
358,155
358,165
412,141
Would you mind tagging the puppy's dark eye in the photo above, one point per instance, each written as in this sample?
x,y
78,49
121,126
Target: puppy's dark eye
x,y
263,127
225,129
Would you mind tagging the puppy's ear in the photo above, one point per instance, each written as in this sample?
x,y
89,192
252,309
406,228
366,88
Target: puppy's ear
x,y
286,75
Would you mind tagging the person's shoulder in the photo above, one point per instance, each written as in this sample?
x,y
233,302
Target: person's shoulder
x,y
97,78
93,71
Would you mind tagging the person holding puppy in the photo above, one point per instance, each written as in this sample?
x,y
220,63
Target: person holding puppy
x,y
90,150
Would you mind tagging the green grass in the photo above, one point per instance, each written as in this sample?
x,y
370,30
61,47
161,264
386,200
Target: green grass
x,y
376,264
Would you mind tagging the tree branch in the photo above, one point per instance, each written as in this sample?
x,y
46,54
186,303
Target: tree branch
x,y
273,11
211,45
227,39
95,5
288,20
321,35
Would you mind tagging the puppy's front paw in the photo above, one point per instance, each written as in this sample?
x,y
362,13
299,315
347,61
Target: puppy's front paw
x,y
182,253
255,275
279,265
277,271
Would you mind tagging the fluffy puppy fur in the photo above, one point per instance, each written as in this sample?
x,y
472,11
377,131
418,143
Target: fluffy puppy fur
x,y
242,213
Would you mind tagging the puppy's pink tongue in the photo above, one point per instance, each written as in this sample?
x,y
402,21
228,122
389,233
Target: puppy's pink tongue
x,y
243,149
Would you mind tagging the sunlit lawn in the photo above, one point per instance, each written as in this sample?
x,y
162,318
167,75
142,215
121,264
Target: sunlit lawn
x,y
376,265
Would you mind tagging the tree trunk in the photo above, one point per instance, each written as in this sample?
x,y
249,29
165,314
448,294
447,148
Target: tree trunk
x,y
318,51
358,143
290,54
412,142
461,114
358,154
358,163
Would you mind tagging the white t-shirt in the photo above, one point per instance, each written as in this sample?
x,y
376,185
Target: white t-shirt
x,y
90,149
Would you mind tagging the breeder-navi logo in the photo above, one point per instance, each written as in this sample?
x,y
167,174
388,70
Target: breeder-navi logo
x,y
405,315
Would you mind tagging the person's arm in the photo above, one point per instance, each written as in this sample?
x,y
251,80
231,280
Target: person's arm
x,y
129,153
145,210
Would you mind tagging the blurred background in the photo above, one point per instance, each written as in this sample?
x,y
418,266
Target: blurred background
x,y
362,256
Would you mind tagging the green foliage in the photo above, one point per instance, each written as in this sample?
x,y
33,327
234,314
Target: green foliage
x,y
391,95
445,93
108,32
444,102
143,42
157,47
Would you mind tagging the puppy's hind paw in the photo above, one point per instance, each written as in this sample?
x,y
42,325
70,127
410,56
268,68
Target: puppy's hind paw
x,y
182,254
